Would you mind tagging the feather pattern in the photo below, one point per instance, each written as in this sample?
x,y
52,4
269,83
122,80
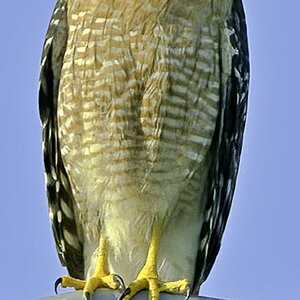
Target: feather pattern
x,y
59,192
198,73
227,143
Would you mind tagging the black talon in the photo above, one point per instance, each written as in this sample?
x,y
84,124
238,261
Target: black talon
x,y
125,293
188,293
120,281
57,283
87,296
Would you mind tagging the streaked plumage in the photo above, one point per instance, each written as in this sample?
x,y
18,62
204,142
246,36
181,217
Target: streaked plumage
x,y
143,106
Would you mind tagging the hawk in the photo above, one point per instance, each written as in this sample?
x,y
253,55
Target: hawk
x,y
143,108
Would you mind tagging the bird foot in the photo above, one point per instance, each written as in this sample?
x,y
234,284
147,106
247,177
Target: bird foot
x,y
155,287
89,286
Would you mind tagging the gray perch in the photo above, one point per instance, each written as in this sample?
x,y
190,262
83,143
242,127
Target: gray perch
x,y
105,294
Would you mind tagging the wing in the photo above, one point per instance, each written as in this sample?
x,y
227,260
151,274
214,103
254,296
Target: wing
x,y
227,141
59,192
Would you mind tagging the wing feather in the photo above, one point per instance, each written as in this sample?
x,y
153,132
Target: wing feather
x,y
227,141
59,192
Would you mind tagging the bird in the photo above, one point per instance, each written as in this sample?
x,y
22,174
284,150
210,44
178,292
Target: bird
x,y
143,106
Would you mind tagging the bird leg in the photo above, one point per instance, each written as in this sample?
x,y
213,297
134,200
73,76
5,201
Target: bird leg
x,y
148,276
100,279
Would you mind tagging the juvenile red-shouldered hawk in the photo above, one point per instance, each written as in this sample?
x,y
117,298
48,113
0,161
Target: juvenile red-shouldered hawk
x,y
143,107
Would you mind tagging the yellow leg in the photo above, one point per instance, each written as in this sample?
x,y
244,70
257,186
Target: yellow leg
x,y
148,277
100,279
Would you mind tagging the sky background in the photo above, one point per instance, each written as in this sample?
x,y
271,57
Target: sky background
x,y
259,258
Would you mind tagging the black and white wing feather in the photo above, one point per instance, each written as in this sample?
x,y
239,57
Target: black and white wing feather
x,y
59,192
227,142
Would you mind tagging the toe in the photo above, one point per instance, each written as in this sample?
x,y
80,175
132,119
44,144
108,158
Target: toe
x,y
57,283
66,281
135,287
124,294
154,287
87,296
119,280
180,286
188,292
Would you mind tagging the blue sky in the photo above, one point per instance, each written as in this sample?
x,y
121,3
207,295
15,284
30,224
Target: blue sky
x,y
259,258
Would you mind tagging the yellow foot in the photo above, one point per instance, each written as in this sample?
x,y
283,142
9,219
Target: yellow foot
x,y
148,277
89,286
155,287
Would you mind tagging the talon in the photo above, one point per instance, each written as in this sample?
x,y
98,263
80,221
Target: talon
x,y
87,296
57,283
120,281
125,293
188,292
